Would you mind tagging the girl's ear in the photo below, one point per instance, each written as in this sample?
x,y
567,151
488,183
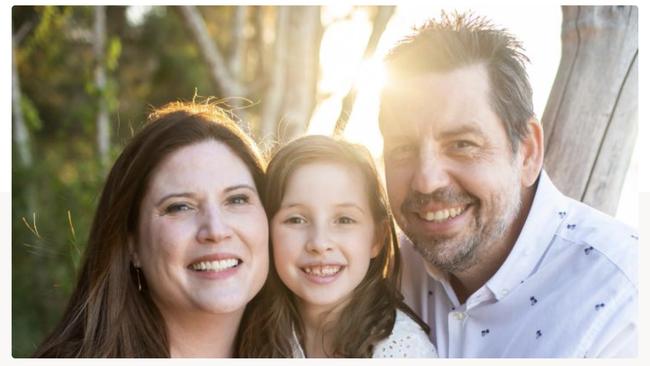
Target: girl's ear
x,y
380,238
132,252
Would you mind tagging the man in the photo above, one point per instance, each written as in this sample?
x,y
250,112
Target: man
x,y
504,264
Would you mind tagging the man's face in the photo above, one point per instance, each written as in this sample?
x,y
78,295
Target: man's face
x,y
452,179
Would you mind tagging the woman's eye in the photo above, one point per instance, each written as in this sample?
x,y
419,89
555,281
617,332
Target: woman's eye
x,y
177,207
240,199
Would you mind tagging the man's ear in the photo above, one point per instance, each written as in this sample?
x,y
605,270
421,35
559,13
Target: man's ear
x,y
531,149
135,259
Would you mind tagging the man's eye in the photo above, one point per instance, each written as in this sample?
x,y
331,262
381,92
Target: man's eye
x,y
177,207
402,151
463,144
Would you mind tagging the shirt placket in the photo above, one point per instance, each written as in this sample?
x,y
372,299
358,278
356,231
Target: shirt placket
x,y
457,320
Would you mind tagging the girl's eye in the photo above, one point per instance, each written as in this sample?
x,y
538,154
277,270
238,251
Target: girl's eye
x,y
345,220
177,207
240,199
295,220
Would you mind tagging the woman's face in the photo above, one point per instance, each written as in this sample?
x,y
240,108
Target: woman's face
x,y
202,237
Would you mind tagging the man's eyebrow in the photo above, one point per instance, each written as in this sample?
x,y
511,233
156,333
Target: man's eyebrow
x,y
465,129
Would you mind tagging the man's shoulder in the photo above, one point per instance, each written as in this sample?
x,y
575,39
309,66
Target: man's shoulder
x,y
600,234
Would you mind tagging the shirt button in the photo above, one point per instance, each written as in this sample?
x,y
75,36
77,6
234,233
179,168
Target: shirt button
x,y
504,292
459,316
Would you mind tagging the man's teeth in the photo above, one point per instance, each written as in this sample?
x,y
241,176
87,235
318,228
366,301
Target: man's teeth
x,y
216,266
442,215
322,271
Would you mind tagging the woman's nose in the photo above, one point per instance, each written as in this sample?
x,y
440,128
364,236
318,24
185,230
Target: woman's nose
x,y
213,227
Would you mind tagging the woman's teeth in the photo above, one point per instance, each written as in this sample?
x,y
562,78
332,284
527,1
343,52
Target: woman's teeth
x,y
215,266
322,271
442,215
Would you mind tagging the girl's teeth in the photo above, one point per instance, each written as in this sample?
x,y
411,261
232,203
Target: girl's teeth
x,y
322,270
215,266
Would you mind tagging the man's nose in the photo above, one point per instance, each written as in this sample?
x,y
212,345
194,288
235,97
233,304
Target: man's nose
x,y
431,171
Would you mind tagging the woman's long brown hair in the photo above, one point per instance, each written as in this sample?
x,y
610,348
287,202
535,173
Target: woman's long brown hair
x,y
107,316
369,316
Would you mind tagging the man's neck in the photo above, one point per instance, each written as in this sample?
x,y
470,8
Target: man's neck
x,y
492,256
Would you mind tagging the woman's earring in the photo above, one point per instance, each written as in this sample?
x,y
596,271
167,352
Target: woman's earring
x,y
137,273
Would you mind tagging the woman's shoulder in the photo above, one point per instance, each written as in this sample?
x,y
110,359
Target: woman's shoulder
x,y
407,340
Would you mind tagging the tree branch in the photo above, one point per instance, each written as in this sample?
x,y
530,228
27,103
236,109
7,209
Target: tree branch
x,y
229,86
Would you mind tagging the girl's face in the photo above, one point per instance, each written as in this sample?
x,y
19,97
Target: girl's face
x,y
203,235
324,234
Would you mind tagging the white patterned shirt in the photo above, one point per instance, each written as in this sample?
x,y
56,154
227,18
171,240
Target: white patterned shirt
x,y
568,288
407,340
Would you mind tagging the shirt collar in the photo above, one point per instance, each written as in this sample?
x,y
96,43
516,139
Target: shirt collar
x,y
546,214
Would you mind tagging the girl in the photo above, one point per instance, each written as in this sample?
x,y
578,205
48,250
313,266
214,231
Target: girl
x,y
334,275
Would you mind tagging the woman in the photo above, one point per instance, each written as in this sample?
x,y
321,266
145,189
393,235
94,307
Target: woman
x,y
178,245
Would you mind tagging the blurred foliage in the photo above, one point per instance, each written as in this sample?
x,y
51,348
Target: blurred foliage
x,y
148,64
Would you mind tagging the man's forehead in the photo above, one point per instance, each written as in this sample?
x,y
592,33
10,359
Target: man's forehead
x,y
474,76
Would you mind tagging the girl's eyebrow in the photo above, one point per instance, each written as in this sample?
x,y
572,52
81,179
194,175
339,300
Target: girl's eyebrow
x,y
350,205
339,205
291,205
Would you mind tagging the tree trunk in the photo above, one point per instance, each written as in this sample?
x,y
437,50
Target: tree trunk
x,y
384,13
99,47
590,120
21,134
304,39
274,93
228,85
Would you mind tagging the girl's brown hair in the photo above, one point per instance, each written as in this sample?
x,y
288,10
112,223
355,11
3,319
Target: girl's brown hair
x,y
107,316
369,316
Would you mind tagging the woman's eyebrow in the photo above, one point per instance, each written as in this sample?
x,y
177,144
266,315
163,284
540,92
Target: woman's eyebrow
x,y
175,194
240,186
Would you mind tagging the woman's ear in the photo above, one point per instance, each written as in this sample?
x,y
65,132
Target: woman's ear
x,y
532,151
135,259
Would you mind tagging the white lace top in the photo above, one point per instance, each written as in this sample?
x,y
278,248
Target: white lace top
x,y
407,340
